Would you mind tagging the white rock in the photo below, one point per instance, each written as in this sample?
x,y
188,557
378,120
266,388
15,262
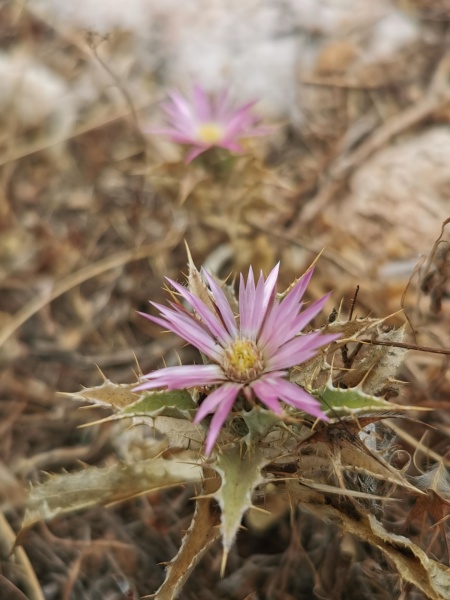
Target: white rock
x,y
35,95
399,197
260,48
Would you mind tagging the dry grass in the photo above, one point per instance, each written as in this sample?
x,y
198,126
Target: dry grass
x,y
91,222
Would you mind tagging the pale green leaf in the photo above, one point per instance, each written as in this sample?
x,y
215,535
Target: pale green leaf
x,y
94,486
173,403
240,471
353,401
110,394
259,422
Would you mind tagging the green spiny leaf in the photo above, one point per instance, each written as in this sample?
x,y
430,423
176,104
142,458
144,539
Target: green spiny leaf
x,y
259,422
174,403
241,473
353,401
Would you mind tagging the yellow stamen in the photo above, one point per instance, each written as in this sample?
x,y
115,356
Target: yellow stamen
x,y
243,361
210,133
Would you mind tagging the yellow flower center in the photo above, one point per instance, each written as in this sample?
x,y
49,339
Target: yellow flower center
x,y
210,133
243,361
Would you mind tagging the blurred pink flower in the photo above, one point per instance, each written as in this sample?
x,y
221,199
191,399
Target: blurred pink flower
x,y
204,122
249,355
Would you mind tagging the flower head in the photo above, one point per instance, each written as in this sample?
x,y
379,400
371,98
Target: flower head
x,y
249,354
204,122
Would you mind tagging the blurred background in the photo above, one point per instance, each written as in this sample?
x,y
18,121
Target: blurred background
x,y
94,212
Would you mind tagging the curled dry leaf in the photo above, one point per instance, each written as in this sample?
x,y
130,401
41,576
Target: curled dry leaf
x,y
412,564
202,532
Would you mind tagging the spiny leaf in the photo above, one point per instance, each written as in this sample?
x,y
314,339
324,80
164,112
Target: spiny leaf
x,y
110,394
353,401
172,403
388,361
202,532
196,285
241,474
351,329
180,433
101,486
259,422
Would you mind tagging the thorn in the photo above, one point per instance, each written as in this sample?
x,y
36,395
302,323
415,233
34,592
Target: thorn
x,y
202,497
315,261
191,264
139,370
223,564
102,375
352,306
261,510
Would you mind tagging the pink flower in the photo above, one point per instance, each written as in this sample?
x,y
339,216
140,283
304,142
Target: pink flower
x,y
204,122
249,355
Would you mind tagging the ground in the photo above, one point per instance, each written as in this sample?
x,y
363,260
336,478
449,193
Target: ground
x,y
95,212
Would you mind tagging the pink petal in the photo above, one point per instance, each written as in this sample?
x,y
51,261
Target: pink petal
x,y
267,394
255,312
221,402
246,301
241,121
221,106
309,313
298,398
188,328
269,286
181,138
201,103
258,309
211,321
182,122
254,302
181,106
211,403
226,314
285,328
232,146
298,350
181,377
291,301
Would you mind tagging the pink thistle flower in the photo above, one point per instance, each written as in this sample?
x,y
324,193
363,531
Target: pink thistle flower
x,y
250,354
203,122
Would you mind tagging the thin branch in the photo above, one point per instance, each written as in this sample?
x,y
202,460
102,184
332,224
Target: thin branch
x,y
407,346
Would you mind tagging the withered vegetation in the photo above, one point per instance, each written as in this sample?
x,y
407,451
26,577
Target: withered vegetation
x,y
93,215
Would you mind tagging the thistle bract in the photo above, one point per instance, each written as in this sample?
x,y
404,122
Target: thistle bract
x,y
249,354
204,122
